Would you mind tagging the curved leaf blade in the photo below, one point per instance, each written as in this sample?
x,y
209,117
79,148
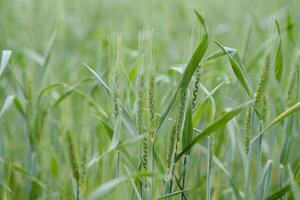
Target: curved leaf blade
x,y
4,61
187,133
237,69
220,122
278,119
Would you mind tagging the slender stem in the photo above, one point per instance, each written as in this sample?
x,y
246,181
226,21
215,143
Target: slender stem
x,y
209,168
259,164
152,164
183,175
118,164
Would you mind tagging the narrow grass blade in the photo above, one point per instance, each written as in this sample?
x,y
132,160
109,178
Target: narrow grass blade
x,y
173,194
19,106
70,90
209,168
265,180
286,149
28,175
200,19
116,137
7,103
294,185
106,126
98,77
5,58
47,89
278,56
220,122
48,49
128,122
279,193
133,184
187,133
278,119
238,69
220,53
106,188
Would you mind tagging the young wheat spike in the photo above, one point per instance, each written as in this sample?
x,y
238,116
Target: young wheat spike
x,y
292,79
265,110
180,116
83,170
145,153
140,121
247,130
151,105
115,64
171,145
196,86
175,134
263,79
72,157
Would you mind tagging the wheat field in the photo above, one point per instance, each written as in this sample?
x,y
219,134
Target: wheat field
x,y
136,99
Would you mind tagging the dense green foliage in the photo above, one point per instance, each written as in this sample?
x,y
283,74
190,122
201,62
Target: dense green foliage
x,y
129,99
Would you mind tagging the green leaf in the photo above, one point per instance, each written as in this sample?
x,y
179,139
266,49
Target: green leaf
x,y
237,68
265,180
7,103
47,89
116,137
48,49
220,53
98,77
128,122
133,184
278,119
285,151
217,124
278,56
186,77
5,58
194,62
106,126
173,194
28,175
294,185
197,112
279,193
200,19
187,133
70,90
133,72
19,106
106,188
